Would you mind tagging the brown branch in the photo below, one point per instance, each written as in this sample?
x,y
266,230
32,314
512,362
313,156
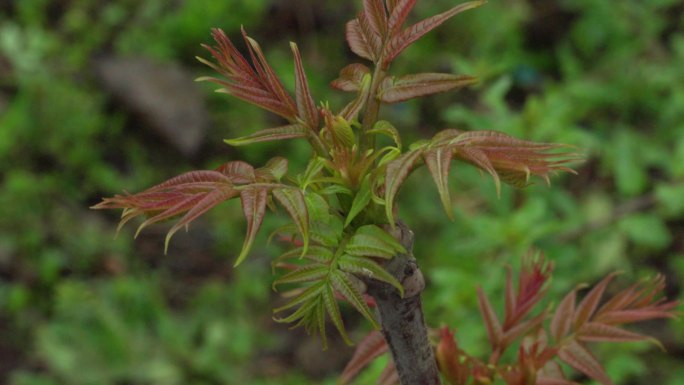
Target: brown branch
x,y
403,323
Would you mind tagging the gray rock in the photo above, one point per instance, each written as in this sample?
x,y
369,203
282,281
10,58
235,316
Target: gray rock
x,y
164,95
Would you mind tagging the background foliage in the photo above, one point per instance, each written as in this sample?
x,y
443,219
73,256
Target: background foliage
x,y
77,307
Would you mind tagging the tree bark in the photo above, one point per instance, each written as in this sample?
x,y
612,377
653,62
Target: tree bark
x,y
402,320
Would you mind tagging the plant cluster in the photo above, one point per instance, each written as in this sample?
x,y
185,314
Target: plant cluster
x,y
342,206
544,339
347,192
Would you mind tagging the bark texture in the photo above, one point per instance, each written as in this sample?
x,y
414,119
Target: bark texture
x,y
403,323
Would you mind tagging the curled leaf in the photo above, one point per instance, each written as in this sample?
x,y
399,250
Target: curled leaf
x,y
350,77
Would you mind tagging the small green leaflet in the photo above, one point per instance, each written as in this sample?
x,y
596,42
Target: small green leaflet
x,y
361,200
386,128
372,241
366,267
307,273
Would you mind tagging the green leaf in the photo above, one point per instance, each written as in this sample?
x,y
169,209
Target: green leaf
x,y
325,227
314,253
372,241
291,131
254,202
274,169
306,296
386,128
334,312
304,311
368,268
342,282
361,200
293,201
438,162
395,90
308,273
313,169
395,174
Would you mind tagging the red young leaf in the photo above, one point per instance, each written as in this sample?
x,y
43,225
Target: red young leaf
x,y
267,73
376,15
254,202
637,303
292,199
371,347
208,201
596,332
374,39
396,172
291,131
391,4
358,41
399,11
238,171
534,273
580,358
258,85
514,331
305,104
512,159
564,316
450,358
192,180
394,90
350,78
193,192
438,162
402,40
590,302
494,330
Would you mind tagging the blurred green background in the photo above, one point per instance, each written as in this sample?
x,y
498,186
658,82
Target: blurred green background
x,y
97,97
